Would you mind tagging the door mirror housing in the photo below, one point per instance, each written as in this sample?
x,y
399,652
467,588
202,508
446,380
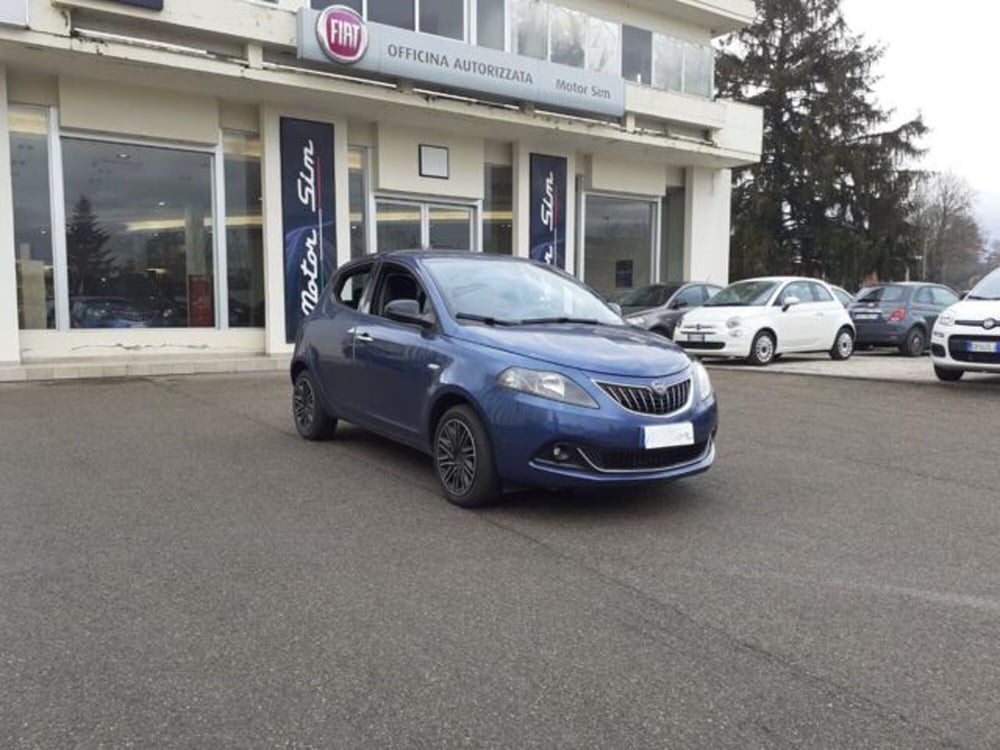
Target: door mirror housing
x,y
408,311
679,303
788,302
615,308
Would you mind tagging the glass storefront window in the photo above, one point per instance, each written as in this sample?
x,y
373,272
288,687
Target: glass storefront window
x,y
29,164
392,13
357,5
399,226
699,62
568,30
618,243
530,33
449,227
244,230
443,17
637,55
490,24
602,47
668,62
498,210
138,235
357,182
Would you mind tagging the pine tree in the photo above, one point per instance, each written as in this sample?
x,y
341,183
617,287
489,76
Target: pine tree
x,y
89,261
831,195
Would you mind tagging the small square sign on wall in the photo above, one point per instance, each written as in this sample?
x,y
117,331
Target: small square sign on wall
x,y
434,162
13,12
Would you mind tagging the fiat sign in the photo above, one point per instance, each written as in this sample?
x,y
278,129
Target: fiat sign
x,y
342,34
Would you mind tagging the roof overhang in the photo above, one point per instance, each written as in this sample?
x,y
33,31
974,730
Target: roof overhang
x,y
721,16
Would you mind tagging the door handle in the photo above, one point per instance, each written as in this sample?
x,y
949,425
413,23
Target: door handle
x,y
364,338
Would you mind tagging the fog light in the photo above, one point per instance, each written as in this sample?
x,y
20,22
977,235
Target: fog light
x,y
562,453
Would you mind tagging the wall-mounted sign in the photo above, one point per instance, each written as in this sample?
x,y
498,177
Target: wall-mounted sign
x,y
548,209
308,215
14,13
333,36
434,162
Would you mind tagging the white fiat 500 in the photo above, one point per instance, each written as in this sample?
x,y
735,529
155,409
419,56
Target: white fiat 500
x,y
966,336
760,319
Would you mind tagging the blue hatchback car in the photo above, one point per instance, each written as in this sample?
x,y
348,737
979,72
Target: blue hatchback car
x,y
506,371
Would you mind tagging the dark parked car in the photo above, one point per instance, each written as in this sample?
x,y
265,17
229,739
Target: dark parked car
x,y
504,371
900,314
659,307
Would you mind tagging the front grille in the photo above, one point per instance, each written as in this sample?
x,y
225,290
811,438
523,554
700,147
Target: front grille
x,y
959,352
704,345
654,460
644,400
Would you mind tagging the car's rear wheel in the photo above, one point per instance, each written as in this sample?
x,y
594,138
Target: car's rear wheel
x,y
843,345
947,375
914,343
311,418
463,459
762,349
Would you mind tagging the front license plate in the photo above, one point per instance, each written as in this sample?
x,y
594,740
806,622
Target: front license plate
x,y
697,337
983,347
667,436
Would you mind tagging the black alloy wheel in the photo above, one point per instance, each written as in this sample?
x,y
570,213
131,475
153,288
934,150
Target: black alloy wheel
x,y
463,459
311,418
914,344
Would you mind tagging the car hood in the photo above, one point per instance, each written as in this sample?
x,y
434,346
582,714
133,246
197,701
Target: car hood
x,y
972,309
607,350
719,315
633,310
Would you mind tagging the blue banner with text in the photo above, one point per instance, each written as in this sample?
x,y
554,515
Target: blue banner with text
x,y
548,209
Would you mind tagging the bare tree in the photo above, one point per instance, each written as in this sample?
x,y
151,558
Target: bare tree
x,y
951,240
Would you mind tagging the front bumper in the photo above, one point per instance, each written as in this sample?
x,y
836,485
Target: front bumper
x,y
950,349
604,445
714,343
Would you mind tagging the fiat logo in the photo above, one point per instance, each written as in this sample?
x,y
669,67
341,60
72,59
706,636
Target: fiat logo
x,y
989,324
342,34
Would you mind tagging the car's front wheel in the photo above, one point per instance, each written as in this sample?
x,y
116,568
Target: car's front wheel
x,y
947,375
762,349
311,418
843,345
463,459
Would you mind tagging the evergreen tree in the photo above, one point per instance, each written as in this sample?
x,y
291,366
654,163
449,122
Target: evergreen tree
x,y
89,261
831,195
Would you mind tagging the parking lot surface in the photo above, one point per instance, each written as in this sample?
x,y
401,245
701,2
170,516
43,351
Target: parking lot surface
x,y
179,569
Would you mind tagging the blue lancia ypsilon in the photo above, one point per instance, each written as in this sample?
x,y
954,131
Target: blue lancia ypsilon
x,y
505,371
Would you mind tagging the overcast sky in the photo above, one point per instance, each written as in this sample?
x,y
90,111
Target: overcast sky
x,y
941,61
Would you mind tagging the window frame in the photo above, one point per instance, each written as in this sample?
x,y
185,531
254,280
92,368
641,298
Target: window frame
x,y
375,302
371,265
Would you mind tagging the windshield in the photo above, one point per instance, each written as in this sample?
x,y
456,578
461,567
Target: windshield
x,y
515,292
647,296
744,294
988,288
881,294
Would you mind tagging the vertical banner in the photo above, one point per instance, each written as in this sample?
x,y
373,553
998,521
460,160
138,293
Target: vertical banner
x,y
308,215
548,209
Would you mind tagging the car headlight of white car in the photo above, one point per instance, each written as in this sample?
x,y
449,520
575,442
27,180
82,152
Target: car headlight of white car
x,y
551,385
702,382
947,318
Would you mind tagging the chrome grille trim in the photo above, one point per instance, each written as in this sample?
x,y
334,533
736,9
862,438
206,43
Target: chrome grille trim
x,y
641,399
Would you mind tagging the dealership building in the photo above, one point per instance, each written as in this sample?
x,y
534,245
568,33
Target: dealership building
x,y
178,178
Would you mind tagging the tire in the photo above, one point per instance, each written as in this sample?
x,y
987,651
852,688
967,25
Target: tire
x,y
914,344
762,349
662,332
461,440
311,418
947,375
843,345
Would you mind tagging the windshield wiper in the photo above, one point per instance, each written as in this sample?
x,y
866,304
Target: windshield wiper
x,y
488,320
982,299
562,319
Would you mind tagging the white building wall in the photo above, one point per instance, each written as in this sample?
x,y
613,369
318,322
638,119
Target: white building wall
x,y
10,346
707,225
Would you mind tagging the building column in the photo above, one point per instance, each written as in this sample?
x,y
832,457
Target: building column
x,y
274,245
10,346
707,221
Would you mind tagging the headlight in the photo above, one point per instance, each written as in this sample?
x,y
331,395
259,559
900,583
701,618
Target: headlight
x,y
734,323
702,382
947,318
637,321
550,385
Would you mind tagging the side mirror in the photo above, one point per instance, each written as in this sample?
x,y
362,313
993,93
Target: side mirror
x,y
408,311
678,304
615,308
788,302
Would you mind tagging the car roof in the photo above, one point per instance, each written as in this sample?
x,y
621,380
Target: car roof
x,y
781,279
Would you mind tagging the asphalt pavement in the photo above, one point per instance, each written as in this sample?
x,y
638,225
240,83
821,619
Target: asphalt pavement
x,y
178,569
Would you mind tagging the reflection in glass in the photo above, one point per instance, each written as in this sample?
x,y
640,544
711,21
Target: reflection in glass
x,y
357,5
244,230
568,29
667,63
138,235
392,13
29,165
602,47
637,55
357,186
450,227
618,243
490,24
397,226
443,17
498,210
530,28
698,64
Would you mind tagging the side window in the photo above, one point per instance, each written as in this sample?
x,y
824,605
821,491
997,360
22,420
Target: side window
x,y
795,289
711,291
351,286
924,296
398,283
692,295
944,297
819,293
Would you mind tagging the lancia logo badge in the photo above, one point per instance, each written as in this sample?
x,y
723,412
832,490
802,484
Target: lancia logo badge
x,y
659,387
989,324
342,34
